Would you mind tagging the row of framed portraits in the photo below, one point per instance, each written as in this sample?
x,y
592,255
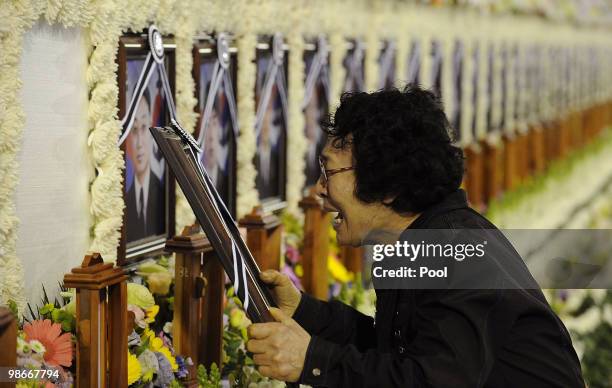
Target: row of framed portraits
x,y
148,185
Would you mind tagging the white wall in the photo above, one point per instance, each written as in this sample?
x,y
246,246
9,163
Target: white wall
x,y
52,197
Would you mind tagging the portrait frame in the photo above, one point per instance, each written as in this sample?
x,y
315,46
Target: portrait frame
x,y
315,106
207,59
271,121
387,64
133,49
354,66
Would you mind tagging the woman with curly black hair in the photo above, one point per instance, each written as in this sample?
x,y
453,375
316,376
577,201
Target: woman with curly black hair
x,y
389,168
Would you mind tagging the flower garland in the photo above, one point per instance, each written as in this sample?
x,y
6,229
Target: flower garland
x,y
296,138
247,195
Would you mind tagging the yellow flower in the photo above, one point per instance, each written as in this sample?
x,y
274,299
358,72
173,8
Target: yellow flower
x,y
166,352
337,270
147,376
151,313
299,271
133,369
159,282
155,343
238,319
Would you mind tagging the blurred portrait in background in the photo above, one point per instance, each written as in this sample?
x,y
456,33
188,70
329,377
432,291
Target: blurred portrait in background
x,y
271,124
145,185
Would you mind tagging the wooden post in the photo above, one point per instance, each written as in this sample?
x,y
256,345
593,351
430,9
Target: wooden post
x,y
316,246
8,342
522,156
493,167
474,176
537,153
101,328
352,257
197,326
511,175
264,232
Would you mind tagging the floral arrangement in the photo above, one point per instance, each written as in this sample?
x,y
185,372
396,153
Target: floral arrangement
x,y
45,340
152,360
358,297
292,245
587,314
238,366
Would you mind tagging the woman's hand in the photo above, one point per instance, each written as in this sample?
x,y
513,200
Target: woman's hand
x,y
287,296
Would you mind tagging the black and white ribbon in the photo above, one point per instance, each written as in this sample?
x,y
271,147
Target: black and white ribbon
x,y
220,75
354,71
318,70
153,61
274,75
387,64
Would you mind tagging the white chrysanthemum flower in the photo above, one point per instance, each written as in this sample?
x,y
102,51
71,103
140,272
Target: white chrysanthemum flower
x,y
586,322
37,346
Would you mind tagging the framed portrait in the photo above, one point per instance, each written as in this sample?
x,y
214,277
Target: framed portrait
x,y
457,74
437,57
271,121
353,63
414,62
386,65
214,72
315,105
148,218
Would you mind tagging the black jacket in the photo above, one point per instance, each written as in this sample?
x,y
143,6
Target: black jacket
x,y
440,338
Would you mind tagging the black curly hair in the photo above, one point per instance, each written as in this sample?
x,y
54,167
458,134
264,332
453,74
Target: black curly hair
x,y
402,146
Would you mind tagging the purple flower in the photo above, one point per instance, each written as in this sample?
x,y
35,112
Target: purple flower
x,y
292,254
288,270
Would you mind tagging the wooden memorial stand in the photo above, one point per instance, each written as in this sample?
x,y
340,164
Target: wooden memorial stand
x,y
474,183
493,169
315,247
522,156
537,150
352,257
197,327
8,342
511,175
101,323
264,232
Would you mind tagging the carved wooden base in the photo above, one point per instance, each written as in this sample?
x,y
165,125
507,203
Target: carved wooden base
x,y
197,325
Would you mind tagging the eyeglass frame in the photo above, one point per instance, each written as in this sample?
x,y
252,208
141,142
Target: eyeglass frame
x,y
326,174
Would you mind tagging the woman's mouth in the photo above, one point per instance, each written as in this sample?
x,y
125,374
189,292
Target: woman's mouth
x,y
338,220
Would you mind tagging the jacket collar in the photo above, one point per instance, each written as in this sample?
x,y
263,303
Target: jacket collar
x,y
455,200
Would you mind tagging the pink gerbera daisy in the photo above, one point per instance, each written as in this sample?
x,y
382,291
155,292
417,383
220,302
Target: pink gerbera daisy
x,y
58,346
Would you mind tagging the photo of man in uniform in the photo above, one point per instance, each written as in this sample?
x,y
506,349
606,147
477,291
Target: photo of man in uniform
x,y
145,197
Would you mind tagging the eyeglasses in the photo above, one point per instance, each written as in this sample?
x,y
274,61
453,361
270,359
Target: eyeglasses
x,y
325,174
